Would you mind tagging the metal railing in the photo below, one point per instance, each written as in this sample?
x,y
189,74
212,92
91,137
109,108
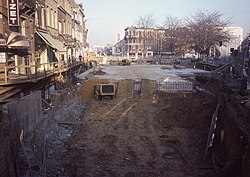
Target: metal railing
x,y
137,85
33,73
175,86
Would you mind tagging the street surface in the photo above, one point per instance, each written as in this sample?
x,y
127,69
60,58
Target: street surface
x,y
135,72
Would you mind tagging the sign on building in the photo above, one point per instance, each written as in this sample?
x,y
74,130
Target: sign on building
x,y
13,12
2,57
3,42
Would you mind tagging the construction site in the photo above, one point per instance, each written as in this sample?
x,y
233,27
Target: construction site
x,y
163,121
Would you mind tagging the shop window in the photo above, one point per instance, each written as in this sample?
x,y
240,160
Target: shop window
x,y
23,26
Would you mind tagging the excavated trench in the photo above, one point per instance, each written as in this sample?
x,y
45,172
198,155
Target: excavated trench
x,y
153,134
142,134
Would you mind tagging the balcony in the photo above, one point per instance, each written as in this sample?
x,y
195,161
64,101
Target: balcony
x,y
30,3
27,7
10,75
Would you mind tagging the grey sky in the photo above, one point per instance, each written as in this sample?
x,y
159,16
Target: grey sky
x,y
105,18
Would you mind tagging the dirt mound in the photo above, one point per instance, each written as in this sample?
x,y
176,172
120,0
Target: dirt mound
x,y
125,88
184,109
148,90
99,72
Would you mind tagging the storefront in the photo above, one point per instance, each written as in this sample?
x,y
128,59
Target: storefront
x,y
13,51
50,49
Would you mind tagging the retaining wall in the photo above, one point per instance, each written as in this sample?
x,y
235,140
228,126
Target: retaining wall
x,y
24,115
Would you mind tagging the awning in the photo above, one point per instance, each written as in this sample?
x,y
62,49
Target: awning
x,y
16,40
48,39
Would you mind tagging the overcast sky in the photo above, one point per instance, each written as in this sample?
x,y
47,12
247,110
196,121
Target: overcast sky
x,y
105,18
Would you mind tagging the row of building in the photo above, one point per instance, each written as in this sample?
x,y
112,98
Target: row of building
x,y
34,32
143,42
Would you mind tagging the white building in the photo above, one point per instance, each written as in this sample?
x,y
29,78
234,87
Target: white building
x,y
235,40
119,37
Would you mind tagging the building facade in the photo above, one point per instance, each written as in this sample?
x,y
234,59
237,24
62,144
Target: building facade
x,y
16,39
41,31
143,42
78,30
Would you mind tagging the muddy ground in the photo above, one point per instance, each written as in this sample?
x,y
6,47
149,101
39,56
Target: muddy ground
x,y
164,135
143,133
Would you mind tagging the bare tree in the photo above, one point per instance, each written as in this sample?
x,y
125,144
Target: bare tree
x,y
172,26
207,30
146,23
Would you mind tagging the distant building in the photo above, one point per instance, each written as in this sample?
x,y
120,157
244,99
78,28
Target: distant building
x,y
143,42
119,37
235,40
119,48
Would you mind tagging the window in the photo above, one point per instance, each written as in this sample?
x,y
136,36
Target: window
x,y
63,26
55,22
107,88
42,17
52,22
23,26
60,27
48,16
36,16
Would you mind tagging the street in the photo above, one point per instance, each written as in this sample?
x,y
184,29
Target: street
x,y
139,71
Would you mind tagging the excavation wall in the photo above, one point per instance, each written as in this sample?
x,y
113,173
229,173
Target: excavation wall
x,y
19,119
233,138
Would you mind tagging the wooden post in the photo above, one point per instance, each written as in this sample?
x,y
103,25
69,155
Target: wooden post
x,y
59,67
5,75
44,70
53,67
36,72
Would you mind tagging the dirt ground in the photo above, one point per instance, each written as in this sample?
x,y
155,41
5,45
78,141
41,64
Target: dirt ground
x,y
144,133
164,135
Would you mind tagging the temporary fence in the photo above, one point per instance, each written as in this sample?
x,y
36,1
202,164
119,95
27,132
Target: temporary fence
x,y
175,86
137,85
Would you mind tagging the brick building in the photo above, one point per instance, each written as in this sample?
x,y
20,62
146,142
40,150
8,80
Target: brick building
x,y
143,42
41,31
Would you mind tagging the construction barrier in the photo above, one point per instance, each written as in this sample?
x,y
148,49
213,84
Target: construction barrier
x,y
175,86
